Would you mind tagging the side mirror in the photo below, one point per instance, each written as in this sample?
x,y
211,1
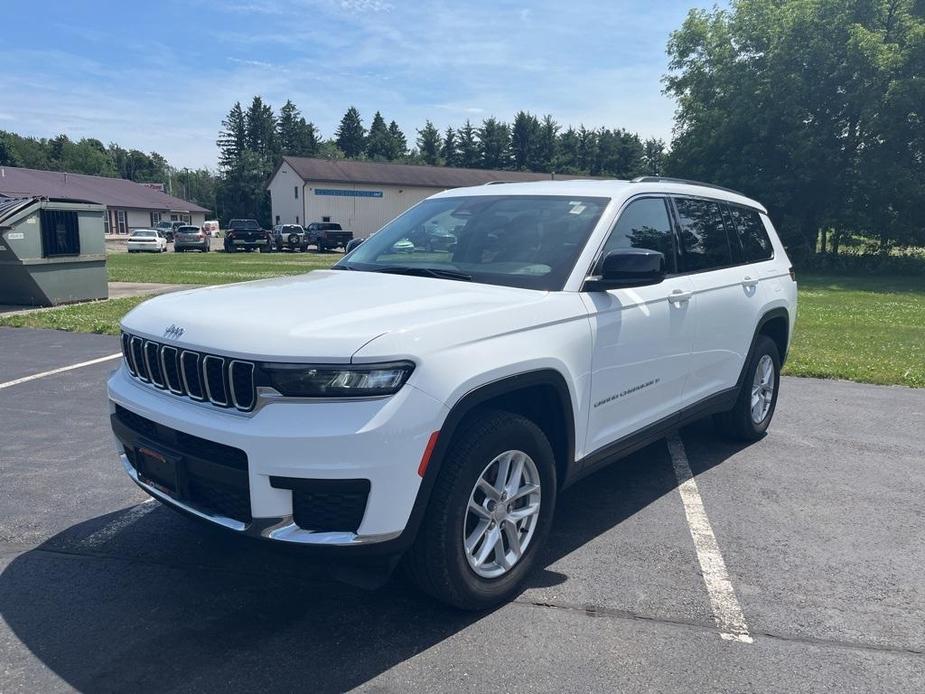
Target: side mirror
x,y
628,267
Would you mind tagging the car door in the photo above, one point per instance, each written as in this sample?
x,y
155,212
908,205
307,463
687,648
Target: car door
x,y
725,290
642,336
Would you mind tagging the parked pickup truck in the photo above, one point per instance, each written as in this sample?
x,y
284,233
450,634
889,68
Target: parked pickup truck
x,y
246,233
327,235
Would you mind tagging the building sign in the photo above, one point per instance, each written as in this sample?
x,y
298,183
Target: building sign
x,y
349,193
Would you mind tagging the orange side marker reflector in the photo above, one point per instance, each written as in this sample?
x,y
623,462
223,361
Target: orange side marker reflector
x,y
428,451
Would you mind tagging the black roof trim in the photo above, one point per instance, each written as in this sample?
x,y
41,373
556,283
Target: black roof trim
x,y
685,181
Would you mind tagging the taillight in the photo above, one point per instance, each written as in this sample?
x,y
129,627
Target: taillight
x,y
793,274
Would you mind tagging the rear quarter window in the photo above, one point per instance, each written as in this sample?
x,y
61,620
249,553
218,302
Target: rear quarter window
x,y
756,244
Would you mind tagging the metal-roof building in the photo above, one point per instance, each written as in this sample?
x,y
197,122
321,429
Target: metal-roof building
x,y
363,195
129,205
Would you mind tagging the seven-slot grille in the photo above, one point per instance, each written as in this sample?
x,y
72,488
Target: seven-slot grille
x,y
203,377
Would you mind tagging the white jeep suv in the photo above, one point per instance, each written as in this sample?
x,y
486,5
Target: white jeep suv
x,y
431,404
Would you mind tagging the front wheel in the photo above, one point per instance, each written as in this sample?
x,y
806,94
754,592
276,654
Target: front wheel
x,y
489,513
750,417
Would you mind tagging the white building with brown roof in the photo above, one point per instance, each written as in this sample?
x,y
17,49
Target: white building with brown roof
x,y
362,196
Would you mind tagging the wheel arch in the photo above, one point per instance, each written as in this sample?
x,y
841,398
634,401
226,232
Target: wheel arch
x,y
541,395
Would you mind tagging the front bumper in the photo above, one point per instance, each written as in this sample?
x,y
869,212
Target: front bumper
x,y
379,440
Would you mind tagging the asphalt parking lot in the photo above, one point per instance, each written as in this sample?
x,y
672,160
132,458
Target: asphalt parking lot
x,y
820,526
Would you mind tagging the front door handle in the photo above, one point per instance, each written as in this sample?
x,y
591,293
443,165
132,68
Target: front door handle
x,y
680,296
749,282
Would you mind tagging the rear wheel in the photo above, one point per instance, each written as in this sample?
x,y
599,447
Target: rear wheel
x,y
750,417
489,513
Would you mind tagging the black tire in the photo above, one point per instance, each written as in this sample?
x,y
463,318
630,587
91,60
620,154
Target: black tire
x,y
229,248
437,561
738,423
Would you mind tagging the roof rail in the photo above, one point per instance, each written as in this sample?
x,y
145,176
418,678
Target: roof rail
x,y
666,179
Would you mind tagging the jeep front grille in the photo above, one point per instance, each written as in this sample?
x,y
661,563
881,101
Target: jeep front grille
x,y
224,382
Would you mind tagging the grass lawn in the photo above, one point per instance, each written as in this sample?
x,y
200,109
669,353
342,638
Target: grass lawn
x,y
211,268
867,329
94,317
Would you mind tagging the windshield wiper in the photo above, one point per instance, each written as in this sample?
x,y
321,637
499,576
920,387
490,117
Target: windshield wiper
x,y
439,273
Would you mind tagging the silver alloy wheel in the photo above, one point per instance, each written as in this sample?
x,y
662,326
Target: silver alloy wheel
x,y
502,514
762,389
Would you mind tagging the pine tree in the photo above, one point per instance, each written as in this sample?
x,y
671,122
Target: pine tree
x,y
398,144
429,143
261,133
469,156
525,141
587,148
296,136
654,156
547,149
232,140
449,150
351,135
495,144
568,152
378,144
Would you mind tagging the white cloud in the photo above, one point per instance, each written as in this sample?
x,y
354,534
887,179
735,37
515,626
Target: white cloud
x,y
585,63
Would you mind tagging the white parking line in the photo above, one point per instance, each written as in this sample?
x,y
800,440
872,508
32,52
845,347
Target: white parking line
x,y
108,531
726,610
33,377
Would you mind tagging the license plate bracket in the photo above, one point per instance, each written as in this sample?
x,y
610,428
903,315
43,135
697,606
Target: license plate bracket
x,y
158,469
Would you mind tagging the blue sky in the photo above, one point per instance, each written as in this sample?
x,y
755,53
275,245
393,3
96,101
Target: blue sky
x,y
161,75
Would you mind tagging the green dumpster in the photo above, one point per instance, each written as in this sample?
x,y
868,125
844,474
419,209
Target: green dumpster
x,y
51,251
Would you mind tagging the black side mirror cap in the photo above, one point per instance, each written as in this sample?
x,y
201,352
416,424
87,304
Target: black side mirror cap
x,y
628,267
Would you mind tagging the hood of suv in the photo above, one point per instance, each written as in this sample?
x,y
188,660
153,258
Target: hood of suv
x,y
324,316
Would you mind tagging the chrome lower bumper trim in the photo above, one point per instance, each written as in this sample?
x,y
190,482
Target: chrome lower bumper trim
x,y
281,529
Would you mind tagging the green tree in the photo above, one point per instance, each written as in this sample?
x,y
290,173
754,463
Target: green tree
x,y
469,156
8,153
351,135
429,144
525,141
813,106
653,156
568,152
495,144
547,149
296,136
232,139
398,144
449,149
379,142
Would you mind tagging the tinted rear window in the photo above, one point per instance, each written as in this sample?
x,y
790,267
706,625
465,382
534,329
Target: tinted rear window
x,y
756,245
703,235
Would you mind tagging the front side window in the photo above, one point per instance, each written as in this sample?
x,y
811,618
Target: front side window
x,y
643,224
756,245
529,241
703,235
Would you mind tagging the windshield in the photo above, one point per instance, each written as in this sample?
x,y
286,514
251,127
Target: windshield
x,y
144,234
519,241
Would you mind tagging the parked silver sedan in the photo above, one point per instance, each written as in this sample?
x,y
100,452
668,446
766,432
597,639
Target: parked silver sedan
x,y
191,238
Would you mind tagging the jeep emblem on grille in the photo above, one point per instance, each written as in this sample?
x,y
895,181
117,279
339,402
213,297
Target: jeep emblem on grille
x,y
174,331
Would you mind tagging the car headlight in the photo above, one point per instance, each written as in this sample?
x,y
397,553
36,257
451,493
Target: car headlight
x,y
335,380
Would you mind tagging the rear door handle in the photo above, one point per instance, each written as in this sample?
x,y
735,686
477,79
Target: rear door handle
x,y
680,296
749,282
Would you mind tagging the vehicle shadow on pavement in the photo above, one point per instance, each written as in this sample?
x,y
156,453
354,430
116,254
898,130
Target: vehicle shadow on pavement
x,y
143,599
